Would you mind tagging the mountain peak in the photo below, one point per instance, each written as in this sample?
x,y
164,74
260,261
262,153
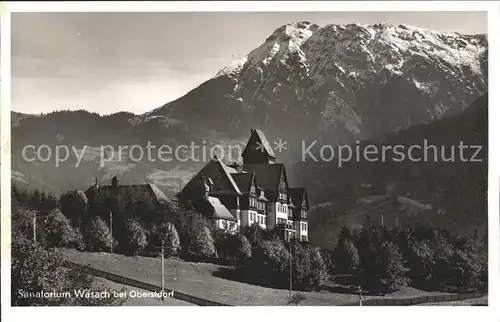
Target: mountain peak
x,y
293,31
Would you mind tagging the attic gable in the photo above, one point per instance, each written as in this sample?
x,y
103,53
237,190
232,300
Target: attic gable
x,y
220,174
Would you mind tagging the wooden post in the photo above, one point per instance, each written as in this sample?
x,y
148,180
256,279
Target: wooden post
x,y
162,271
290,242
111,227
34,228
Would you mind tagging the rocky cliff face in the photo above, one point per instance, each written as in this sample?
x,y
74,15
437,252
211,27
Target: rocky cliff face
x,y
336,83
347,81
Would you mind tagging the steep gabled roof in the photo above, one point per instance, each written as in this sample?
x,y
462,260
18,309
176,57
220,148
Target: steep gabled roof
x,y
212,208
219,173
267,175
148,188
258,140
244,180
158,193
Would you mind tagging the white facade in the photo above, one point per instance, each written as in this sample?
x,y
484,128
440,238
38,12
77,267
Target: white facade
x,y
224,224
248,217
237,214
302,227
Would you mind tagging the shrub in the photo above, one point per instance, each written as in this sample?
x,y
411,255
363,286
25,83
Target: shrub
x,y
309,269
239,246
188,225
254,234
346,257
269,264
203,243
327,256
419,258
170,238
59,232
79,241
467,270
133,238
98,236
383,271
22,222
35,270
221,242
319,272
393,270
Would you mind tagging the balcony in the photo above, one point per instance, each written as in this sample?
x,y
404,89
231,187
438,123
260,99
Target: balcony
x,y
285,226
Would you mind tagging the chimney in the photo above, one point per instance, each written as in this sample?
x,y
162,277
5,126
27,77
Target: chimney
x,y
207,184
114,182
238,167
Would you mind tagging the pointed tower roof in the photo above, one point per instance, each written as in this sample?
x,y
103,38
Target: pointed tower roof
x,y
258,142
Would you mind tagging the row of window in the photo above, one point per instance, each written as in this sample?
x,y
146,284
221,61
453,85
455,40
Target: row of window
x,y
303,226
257,218
282,221
260,205
282,208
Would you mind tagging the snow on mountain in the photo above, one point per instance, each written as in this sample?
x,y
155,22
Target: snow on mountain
x,y
335,84
342,75
361,51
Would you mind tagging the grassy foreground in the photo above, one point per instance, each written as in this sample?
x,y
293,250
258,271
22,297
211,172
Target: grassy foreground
x,y
198,279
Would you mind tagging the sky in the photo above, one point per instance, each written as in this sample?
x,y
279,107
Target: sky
x,y
136,62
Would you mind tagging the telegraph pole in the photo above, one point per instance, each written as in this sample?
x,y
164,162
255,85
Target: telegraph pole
x,y
111,228
290,242
34,227
360,290
162,271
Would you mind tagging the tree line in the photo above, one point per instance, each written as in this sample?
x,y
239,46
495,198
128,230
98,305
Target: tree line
x,y
373,257
384,260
